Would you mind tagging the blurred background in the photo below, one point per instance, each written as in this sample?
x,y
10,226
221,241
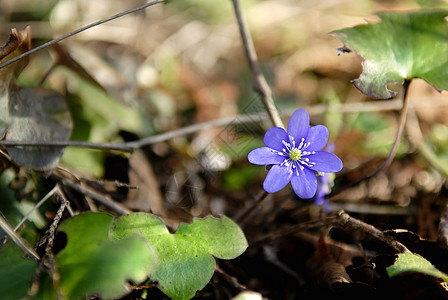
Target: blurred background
x,y
182,63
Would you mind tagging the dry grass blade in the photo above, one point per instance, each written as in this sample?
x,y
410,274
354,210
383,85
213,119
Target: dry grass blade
x,y
17,239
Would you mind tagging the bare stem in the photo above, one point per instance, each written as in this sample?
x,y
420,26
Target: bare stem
x,y
393,151
259,82
416,138
103,146
344,220
241,219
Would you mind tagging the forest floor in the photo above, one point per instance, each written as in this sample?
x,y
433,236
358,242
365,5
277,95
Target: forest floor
x,y
182,63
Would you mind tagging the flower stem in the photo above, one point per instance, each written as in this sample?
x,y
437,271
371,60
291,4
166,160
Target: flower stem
x,y
241,218
416,138
393,151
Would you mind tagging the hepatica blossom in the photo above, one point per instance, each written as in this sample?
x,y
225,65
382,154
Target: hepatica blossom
x,y
324,185
295,155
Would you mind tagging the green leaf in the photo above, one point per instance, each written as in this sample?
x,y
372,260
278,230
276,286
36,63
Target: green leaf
x,y
46,290
91,264
402,46
186,262
409,262
15,272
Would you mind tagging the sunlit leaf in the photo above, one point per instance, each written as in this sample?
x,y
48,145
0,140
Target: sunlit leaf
x,y
186,262
16,272
409,262
402,46
91,264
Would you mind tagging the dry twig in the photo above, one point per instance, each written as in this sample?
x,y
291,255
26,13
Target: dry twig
x,y
105,200
389,105
342,220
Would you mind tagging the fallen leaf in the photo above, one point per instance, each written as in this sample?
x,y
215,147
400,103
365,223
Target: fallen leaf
x,y
19,42
30,114
36,114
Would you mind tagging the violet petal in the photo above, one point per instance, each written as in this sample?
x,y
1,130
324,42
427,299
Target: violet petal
x,y
264,156
277,178
305,184
299,125
274,138
325,162
317,137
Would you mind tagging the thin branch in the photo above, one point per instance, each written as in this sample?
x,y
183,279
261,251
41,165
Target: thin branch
x,y
65,36
231,279
64,199
105,200
259,82
293,229
242,217
49,260
195,128
47,196
101,146
49,234
313,110
342,220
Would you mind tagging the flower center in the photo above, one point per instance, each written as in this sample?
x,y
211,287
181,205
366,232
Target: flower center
x,y
295,154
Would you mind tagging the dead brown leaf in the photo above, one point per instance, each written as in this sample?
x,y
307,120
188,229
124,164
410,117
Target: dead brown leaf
x,y
19,42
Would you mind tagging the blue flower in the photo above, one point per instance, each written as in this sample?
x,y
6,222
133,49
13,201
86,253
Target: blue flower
x,y
295,155
324,186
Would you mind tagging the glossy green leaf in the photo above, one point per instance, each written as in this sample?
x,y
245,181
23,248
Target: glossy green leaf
x,y
409,262
402,46
46,290
186,262
16,272
91,264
